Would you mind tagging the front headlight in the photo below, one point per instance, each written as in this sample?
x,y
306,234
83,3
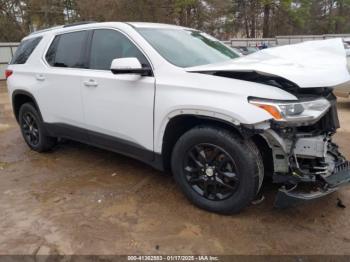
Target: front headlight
x,y
293,111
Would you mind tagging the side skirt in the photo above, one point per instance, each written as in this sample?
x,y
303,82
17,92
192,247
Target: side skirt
x,y
106,142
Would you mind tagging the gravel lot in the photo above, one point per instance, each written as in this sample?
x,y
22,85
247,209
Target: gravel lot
x,y
82,200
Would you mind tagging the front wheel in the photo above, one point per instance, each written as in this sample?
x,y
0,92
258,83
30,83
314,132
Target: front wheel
x,y
216,170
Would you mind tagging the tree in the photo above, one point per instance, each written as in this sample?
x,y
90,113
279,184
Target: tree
x,y
222,18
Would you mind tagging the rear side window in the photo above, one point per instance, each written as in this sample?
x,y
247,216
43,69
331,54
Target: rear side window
x,y
67,50
24,50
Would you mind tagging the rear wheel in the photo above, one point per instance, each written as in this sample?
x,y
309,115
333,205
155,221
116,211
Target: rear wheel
x,y
216,170
33,130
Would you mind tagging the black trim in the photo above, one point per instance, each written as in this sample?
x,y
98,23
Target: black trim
x,y
66,131
106,142
145,71
85,47
88,46
130,25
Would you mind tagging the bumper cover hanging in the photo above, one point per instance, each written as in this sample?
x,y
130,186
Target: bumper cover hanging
x,y
291,197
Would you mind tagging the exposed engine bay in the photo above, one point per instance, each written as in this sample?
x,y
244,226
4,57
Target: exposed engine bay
x,y
305,160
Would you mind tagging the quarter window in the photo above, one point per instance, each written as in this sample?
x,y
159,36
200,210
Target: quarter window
x,y
67,50
24,50
109,44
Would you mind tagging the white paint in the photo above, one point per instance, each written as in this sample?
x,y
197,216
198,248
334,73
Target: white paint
x,y
310,64
138,109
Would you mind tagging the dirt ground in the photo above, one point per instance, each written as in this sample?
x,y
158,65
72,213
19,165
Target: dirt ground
x,y
82,200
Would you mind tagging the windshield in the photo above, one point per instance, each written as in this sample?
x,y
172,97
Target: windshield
x,y
187,48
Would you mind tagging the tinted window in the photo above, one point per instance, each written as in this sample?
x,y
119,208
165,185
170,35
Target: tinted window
x,y
110,44
67,50
24,50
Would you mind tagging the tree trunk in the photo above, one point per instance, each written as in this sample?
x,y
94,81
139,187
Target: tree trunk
x,y
245,17
338,24
253,14
266,25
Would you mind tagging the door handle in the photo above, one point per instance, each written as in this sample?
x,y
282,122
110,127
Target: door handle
x,y
40,77
90,83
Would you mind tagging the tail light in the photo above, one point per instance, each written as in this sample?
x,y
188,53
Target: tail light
x,y
8,73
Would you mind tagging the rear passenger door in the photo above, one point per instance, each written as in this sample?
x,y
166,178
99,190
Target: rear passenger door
x,y
60,84
118,108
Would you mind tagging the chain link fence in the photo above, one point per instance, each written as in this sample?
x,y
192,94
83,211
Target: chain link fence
x,y
282,40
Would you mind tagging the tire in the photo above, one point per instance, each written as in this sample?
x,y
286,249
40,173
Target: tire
x,y
33,130
230,182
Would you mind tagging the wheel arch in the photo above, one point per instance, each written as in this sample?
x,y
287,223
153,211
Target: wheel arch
x,y
179,124
20,97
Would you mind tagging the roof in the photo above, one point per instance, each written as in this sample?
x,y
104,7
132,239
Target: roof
x,y
154,25
84,25
46,30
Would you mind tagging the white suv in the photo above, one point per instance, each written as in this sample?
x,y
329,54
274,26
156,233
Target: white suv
x,y
180,100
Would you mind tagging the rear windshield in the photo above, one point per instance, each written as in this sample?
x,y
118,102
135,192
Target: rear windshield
x,y
24,50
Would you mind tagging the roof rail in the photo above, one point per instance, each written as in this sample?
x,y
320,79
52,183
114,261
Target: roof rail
x,y
45,30
79,23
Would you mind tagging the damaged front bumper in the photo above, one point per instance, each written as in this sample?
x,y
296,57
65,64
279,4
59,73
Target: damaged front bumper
x,y
309,167
305,161
287,197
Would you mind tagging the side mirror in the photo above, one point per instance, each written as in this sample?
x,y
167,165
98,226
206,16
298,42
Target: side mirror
x,y
129,65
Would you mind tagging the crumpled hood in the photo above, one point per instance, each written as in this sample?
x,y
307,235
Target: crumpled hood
x,y
320,63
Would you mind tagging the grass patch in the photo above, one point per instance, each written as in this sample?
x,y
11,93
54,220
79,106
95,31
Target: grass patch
x,y
3,165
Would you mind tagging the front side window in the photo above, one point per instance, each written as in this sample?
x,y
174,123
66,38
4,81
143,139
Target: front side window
x,y
66,50
187,48
109,44
24,50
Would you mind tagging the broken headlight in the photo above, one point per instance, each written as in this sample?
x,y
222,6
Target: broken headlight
x,y
293,111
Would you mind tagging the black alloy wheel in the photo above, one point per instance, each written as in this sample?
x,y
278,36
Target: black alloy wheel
x,y
216,169
211,172
33,130
30,129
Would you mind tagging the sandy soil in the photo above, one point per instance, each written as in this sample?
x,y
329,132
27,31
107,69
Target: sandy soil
x,y
82,200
